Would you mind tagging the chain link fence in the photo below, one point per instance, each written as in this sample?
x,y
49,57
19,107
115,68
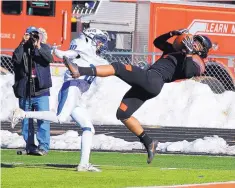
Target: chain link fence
x,y
6,63
217,76
142,60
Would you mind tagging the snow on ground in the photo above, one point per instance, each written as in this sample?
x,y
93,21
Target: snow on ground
x,y
71,140
181,104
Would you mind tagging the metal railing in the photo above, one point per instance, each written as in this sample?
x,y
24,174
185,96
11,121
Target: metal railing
x,y
218,77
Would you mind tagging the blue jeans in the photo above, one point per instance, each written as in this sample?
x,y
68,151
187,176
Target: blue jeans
x,y
43,132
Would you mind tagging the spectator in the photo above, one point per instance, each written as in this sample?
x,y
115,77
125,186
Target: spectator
x,y
43,35
41,57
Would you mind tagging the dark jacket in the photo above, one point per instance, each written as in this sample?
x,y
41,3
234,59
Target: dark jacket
x,y
41,59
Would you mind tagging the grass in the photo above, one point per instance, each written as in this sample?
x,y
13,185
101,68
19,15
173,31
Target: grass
x,y
118,170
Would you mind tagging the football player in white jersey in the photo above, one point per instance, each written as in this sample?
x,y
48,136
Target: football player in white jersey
x,y
84,50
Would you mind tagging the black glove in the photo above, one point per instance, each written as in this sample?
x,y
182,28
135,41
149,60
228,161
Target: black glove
x,y
188,43
178,32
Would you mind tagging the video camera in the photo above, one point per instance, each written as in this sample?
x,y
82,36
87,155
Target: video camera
x,y
34,37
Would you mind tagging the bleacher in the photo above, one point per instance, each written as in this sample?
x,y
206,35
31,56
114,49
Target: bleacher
x,y
81,8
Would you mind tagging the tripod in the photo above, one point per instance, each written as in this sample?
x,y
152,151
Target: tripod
x,y
30,141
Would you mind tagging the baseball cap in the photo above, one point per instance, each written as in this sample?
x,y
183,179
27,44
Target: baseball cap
x,y
31,29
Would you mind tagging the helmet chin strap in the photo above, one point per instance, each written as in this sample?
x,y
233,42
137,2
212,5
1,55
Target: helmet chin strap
x,y
86,36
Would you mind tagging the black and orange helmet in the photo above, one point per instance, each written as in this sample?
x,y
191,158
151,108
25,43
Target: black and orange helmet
x,y
206,45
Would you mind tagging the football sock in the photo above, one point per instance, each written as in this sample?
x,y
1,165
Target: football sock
x,y
145,139
89,71
86,144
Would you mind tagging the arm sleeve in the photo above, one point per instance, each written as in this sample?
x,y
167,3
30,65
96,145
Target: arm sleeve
x,y
73,51
162,44
69,53
18,55
45,52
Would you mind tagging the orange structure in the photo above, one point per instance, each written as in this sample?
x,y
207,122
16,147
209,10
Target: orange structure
x,y
214,20
53,16
217,22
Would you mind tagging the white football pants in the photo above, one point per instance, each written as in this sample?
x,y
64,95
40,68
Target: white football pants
x,y
69,97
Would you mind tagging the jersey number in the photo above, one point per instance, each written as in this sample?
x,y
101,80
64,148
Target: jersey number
x,y
90,79
73,47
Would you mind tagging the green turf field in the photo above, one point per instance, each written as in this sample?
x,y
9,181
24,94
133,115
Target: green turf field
x,y
118,170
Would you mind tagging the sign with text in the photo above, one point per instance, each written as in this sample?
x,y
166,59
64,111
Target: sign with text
x,y
212,27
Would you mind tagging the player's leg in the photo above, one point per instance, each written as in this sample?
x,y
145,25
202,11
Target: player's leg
x,y
131,102
19,114
81,116
68,96
132,75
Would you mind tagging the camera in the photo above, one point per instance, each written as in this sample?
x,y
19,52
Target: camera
x,y
34,36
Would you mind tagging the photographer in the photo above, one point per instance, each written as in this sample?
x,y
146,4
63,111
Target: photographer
x,y
31,60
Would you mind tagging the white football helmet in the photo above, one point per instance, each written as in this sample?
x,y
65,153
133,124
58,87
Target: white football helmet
x,y
99,39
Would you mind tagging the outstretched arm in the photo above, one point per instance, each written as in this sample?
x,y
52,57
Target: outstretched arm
x,y
162,44
161,41
71,54
76,46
